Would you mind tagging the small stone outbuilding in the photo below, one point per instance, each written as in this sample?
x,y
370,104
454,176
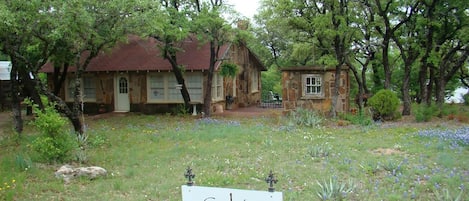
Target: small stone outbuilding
x,y
311,87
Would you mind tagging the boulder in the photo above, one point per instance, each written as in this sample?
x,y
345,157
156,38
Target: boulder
x,y
68,172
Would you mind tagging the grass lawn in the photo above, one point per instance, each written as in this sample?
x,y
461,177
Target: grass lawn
x,y
147,155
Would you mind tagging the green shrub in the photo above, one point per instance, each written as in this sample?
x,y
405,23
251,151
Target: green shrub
x,y
54,143
305,117
384,104
180,109
360,119
48,121
424,113
57,149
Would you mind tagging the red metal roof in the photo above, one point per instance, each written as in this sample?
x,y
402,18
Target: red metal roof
x,y
144,55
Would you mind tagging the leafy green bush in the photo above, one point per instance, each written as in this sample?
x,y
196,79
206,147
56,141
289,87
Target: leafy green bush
x,y
57,149
55,143
424,113
360,119
305,117
384,104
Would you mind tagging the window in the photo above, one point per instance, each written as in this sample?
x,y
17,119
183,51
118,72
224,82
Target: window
x,y
234,87
163,87
87,89
156,84
123,86
217,87
194,86
254,81
174,89
312,86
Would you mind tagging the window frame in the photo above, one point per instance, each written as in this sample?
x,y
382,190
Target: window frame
x,y
168,86
254,81
69,97
217,87
304,86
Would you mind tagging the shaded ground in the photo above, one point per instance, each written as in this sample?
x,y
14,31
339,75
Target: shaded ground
x,y
252,111
5,118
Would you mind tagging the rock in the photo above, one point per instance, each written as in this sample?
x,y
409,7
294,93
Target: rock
x,y
68,172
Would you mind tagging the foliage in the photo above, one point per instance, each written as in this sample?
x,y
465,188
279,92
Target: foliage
x,y
54,143
56,149
384,104
270,81
424,113
7,189
466,98
304,117
229,70
320,151
238,152
359,119
48,121
334,189
443,194
23,162
181,109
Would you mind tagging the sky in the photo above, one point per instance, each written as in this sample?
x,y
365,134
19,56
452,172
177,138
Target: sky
x,y
247,8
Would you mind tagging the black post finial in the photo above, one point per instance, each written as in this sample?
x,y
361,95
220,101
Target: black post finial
x,y
271,180
190,176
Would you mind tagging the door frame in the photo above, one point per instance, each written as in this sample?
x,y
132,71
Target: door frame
x,y
118,99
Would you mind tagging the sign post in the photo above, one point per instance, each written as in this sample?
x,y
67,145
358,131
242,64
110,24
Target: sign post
x,y
200,193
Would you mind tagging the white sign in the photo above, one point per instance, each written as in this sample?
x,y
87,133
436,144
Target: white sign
x,y
199,193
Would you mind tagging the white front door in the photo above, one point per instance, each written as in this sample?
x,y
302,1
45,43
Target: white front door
x,y
122,103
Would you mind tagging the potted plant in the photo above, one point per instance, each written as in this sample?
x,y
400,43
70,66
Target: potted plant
x,y
229,70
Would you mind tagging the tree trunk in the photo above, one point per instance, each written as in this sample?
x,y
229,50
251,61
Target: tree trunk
x,y
335,95
179,77
386,65
208,87
15,98
376,78
440,93
76,106
59,77
423,71
62,107
431,82
405,89
358,79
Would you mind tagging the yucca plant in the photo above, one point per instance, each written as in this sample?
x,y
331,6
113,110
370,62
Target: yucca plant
x,y
334,189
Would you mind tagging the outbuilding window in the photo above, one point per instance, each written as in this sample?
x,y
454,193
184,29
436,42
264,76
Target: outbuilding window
x,y
312,86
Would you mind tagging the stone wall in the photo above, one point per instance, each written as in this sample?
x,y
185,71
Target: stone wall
x,y
292,89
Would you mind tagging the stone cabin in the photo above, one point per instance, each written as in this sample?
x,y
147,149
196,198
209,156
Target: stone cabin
x,y
134,77
311,87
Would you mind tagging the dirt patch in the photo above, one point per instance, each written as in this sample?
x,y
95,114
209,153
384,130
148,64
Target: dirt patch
x,y
386,151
